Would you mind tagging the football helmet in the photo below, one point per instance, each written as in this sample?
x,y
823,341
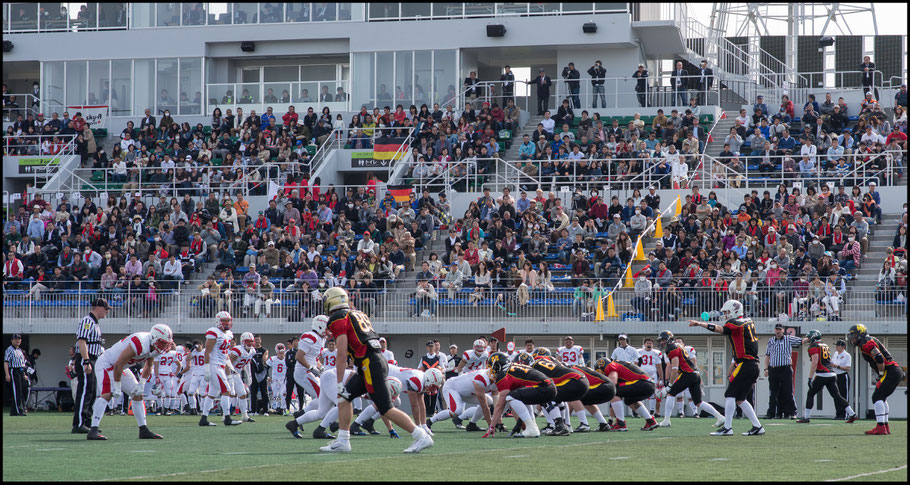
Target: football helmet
x,y
433,378
479,345
814,335
247,339
524,358
335,298
601,365
157,390
732,309
856,333
541,352
162,337
497,361
394,387
320,322
279,348
180,349
664,338
224,321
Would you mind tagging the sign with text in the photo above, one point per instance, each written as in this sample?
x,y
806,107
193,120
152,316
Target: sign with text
x,y
367,160
94,116
31,165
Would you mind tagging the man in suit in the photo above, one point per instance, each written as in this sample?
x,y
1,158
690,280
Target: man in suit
x,y
868,70
508,85
641,85
472,90
147,120
680,84
543,83
705,81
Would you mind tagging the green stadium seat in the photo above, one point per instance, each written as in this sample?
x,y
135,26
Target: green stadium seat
x,y
311,149
206,130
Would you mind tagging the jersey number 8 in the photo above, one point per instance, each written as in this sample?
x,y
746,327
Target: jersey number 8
x,y
362,321
546,364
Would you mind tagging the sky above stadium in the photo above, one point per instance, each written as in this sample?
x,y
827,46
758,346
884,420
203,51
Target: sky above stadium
x,y
891,19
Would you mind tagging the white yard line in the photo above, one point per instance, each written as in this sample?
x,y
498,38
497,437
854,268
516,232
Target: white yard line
x,y
866,474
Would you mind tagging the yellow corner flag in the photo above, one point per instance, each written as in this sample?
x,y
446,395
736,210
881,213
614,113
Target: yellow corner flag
x,y
678,210
639,251
599,313
611,308
628,278
659,227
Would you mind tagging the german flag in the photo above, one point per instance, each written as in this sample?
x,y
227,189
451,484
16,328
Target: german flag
x,y
401,193
387,151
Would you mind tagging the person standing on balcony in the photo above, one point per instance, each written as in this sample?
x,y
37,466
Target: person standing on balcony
x,y
543,83
705,81
680,84
641,85
508,85
597,73
472,91
572,75
868,70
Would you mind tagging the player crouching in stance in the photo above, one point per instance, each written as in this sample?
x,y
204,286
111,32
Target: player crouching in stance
x,y
354,335
600,390
140,347
821,375
326,408
632,387
459,392
889,372
521,387
571,386
741,332
217,344
684,377
240,356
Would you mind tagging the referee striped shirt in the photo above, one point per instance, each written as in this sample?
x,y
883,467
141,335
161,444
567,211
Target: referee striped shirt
x,y
15,357
91,332
779,350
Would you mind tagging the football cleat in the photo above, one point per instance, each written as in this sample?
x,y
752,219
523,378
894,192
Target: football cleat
x,y
229,421
472,427
334,426
337,446
422,443
582,428
664,424
547,430
619,426
603,427
356,431
204,421
146,434
719,422
293,427
321,434
80,430
722,432
93,434
531,431
852,419
368,426
249,420
457,422
755,431
561,430
879,429
650,425
427,429
802,420
887,428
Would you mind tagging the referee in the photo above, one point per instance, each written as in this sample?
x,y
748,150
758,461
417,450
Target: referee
x,y
842,361
89,342
14,365
778,370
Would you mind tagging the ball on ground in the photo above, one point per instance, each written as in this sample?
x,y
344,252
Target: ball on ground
x,y
705,316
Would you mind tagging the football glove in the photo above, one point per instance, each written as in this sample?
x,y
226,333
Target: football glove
x,y
490,432
313,370
208,372
393,434
344,394
116,388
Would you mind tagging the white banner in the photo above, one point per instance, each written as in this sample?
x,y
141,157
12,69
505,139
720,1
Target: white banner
x,y
95,116
273,190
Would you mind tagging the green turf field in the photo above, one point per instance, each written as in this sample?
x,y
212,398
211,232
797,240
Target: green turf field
x,y
40,447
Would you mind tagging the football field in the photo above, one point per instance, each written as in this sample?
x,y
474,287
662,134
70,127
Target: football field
x,y
40,447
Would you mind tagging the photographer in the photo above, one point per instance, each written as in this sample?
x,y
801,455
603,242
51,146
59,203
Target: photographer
x,y
597,73
569,72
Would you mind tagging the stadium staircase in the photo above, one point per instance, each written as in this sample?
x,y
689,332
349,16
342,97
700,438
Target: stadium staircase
x,y
866,277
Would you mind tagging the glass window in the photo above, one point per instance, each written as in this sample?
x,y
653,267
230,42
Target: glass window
x,y
270,13
6,8
166,98
383,10
385,81
190,100
219,14
544,7
344,11
194,13
298,12
250,75
52,83
481,9
99,82
87,17
277,93
404,78
249,94
718,367
244,13
317,72
363,92
448,9
143,86
445,77
76,80
112,15
323,12
281,73
418,9
622,7
168,14
577,7
24,16
512,8
121,86
423,79
52,19
305,92
143,16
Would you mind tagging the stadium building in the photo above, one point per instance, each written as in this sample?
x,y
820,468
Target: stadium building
x,y
114,62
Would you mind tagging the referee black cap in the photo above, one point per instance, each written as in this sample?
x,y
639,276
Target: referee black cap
x,y
841,342
100,302
16,335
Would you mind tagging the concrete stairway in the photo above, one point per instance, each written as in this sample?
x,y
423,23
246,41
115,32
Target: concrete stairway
x,y
861,289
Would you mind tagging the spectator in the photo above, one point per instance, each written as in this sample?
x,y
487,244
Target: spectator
x,y
427,299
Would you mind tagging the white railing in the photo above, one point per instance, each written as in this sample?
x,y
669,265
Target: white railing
x,y
256,96
21,104
440,11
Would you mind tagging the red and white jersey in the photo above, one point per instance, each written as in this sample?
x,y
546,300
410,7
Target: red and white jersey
x,y
311,343
328,357
167,364
278,368
389,357
197,357
692,355
242,357
411,379
222,344
650,359
573,355
464,383
181,358
140,342
474,361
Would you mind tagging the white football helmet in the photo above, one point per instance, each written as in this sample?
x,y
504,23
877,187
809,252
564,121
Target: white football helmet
x,y
157,390
247,339
180,349
279,348
479,346
433,377
223,320
162,337
394,387
320,322
732,309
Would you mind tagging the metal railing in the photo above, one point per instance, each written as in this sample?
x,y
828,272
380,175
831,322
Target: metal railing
x,y
39,145
24,308
256,96
21,104
430,11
